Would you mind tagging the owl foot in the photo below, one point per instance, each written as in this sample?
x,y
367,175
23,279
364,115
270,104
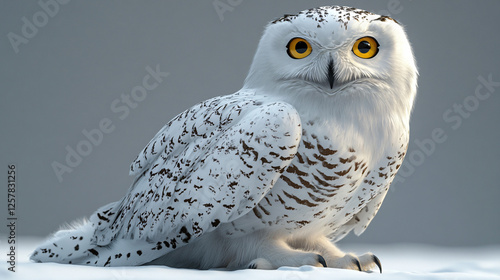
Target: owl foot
x,y
312,259
368,262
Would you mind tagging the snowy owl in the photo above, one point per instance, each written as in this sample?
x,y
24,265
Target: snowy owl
x,y
275,173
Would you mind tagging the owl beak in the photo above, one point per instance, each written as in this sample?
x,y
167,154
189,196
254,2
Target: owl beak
x,y
331,74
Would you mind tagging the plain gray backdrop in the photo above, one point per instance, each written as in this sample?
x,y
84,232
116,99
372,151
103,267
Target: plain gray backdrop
x,y
64,79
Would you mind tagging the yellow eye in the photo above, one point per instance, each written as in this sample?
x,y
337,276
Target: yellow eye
x,y
298,48
366,47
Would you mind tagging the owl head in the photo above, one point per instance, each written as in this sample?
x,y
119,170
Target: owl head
x,y
342,54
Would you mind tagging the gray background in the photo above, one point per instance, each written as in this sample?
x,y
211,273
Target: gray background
x,y
65,78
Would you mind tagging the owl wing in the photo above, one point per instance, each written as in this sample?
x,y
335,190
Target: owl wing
x,y
210,165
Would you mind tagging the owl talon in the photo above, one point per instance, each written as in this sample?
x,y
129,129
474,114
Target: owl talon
x,y
377,262
322,261
356,262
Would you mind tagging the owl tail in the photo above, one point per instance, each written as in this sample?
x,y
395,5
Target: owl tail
x,y
79,245
66,246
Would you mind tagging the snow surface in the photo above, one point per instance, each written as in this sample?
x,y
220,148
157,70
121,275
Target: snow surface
x,y
407,261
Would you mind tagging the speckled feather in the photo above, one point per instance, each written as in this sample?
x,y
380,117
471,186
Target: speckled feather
x,y
210,165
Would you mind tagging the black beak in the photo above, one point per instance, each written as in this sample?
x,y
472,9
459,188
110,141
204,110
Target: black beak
x,y
331,74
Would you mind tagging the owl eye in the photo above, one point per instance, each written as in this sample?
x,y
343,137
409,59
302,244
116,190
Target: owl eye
x,y
366,47
298,48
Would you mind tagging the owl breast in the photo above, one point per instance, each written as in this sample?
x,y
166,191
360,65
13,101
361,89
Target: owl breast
x,y
323,188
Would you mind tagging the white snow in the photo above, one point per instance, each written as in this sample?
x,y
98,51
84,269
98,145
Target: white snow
x,y
409,261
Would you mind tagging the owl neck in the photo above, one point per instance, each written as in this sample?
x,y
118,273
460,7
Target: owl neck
x,y
368,115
